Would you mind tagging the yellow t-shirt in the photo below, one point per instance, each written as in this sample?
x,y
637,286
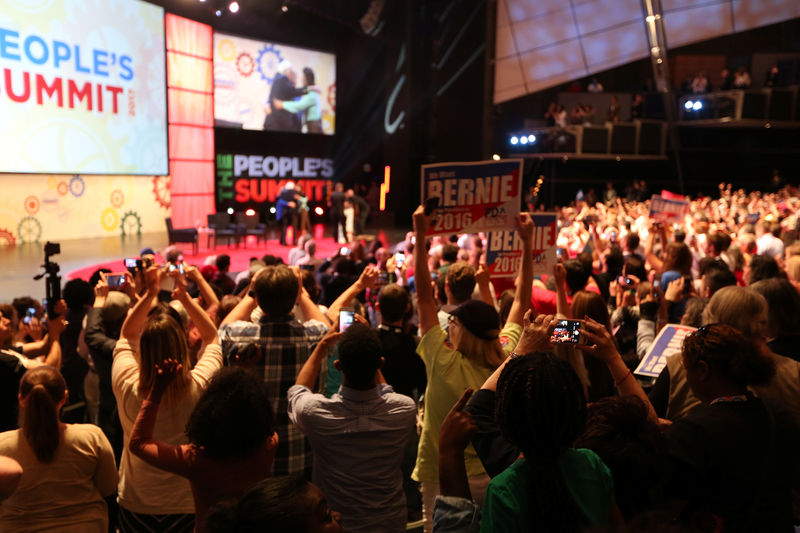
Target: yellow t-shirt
x,y
449,374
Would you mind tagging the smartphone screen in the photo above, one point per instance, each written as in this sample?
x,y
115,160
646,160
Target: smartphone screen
x,y
656,287
687,284
131,262
431,204
178,267
29,314
345,319
399,259
115,280
566,332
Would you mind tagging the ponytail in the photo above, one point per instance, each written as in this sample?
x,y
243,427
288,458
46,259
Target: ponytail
x,y
42,388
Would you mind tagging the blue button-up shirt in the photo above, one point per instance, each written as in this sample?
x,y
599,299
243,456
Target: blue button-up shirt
x,y
358,437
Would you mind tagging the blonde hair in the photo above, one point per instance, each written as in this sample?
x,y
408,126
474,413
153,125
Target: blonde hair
x,y
793,268
163,338
740,307
484,352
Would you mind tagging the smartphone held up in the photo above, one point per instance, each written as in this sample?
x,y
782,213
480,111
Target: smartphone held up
x,y
567,332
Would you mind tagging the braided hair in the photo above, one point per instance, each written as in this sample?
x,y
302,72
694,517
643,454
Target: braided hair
x,y
540,407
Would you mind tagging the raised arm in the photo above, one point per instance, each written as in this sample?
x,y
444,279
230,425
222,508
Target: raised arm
x,y
365,281
209,296
600,344
175,459
310,371
426,305
134,323
484,287
246,305
522,296
205,326
457,430
560,275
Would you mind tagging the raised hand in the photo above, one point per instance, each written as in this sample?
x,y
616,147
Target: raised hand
x,y
421,221
524,226
535,334
599,342
458,427
166,372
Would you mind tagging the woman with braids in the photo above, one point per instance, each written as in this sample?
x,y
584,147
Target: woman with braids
x,y
67,469
733,461
540,407
462,356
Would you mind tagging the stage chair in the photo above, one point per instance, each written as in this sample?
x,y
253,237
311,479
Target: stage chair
x,y
219,225
249,225
182,235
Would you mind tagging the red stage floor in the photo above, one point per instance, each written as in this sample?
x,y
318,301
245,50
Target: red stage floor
x,y
240,257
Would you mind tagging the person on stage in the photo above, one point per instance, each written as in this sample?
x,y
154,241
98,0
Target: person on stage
x,y
283,88
362,209
336,207
307,104
304,220
286,207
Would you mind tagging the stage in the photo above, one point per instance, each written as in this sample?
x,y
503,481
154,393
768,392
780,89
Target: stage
x,y
80,257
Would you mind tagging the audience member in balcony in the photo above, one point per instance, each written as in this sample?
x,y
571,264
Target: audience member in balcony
x,y
700,83
561,116
637,106
612,115
773,76
577,114
726,83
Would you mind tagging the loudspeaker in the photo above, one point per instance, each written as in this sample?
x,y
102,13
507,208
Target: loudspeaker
x,y
650,138
780,104
595,140
623,139
754,105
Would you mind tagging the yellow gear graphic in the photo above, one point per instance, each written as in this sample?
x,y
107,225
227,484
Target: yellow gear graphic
x,y
52,182
226,50
109,219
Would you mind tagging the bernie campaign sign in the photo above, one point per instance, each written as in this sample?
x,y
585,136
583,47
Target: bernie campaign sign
x,y
504,248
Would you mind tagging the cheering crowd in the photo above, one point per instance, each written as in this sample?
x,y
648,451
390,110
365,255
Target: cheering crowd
x,y
392,384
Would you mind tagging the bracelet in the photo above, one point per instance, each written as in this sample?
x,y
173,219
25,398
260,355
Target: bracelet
x,y
618,383
514,355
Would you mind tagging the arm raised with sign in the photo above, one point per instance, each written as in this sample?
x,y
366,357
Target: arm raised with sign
x,y
522,297
426,305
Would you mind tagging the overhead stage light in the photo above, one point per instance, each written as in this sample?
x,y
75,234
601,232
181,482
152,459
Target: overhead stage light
x,y
496,157
318,210
250,212
514,140
285,7
233,7
218,12
531,138
272,210
688,105
698,105
230,210
523,140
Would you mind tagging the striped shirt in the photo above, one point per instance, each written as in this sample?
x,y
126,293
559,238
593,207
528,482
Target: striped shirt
x,y
276,349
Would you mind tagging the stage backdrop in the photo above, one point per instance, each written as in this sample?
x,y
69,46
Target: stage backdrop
x,y
82,87
35,208
245,69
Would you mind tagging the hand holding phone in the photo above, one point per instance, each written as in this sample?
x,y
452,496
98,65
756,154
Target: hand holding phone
x,y
399,259
115,281
346,318
567,332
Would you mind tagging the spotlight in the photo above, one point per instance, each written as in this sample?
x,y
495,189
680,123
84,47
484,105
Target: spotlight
x,y
531,138
318,210
698,105
250,212
688,105
272,210
233,7
218,12
514,140
285,7
496,157
230,210
523,140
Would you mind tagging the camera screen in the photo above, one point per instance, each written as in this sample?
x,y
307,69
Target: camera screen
x,y
566,332
116,280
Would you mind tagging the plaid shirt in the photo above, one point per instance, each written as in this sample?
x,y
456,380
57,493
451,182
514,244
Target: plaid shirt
x,y
276,349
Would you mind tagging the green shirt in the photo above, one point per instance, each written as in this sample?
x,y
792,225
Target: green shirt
x,y
308,103
587,478
449,373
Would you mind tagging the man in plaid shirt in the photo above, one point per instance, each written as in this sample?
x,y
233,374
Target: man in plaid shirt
x,y
276,347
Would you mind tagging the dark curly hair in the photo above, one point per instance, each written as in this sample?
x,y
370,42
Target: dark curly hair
x,y
732,355
633,448
233,416
540,407
274,504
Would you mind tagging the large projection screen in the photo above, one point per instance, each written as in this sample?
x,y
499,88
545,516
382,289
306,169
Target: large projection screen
x,y
82,87
250,76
